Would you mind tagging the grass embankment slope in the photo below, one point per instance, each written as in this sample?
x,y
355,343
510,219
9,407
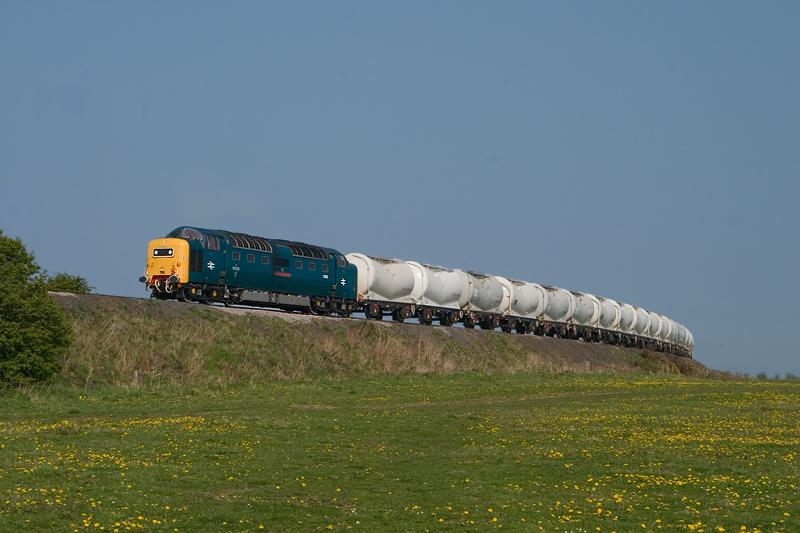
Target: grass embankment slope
x,y
127,341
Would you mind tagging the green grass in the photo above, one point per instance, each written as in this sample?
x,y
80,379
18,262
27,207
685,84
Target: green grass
x,y
525,452
127,342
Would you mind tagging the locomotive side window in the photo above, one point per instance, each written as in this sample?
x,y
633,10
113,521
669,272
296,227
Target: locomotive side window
x,y
236,256
325,267
312,266
264,259
251,258
163,252
340,261
298,264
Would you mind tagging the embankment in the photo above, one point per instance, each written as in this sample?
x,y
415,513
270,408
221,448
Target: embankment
x,y
132,342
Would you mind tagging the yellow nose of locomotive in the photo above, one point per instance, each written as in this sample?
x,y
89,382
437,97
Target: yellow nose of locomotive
x,y
167,264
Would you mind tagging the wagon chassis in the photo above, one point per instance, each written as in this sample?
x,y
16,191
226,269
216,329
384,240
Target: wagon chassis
x,y
399,312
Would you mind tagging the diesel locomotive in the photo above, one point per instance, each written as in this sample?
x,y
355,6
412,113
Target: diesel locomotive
x,y
203,265
207,266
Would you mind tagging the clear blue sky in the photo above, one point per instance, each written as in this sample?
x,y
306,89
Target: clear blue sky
x,y
647,152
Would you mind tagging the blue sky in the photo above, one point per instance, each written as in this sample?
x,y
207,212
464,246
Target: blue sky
x,y
647,152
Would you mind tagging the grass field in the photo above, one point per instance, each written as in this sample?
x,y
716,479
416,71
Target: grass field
x,y
524,452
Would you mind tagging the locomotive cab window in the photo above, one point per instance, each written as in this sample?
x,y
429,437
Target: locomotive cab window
x,y
191,234
163,252
213,242
236,256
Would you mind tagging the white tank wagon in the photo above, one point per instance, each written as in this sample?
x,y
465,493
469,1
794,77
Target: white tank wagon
x,y
610,314
557,316
404,289
587,309
386,286
680,335
627,319
675,334
684,337
608,323
528,302
444,293
666,328
655,326
489,301
642,324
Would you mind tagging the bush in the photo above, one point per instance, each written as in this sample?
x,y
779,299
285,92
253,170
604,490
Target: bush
x,y
34,330
63,282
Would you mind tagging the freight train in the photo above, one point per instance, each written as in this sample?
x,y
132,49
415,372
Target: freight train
x,y
207,266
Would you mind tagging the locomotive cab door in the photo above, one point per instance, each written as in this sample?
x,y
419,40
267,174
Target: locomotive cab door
x,y
213,261
282,269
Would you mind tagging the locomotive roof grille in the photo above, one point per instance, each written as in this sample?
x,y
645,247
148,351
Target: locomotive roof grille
x,y
300,249
242,240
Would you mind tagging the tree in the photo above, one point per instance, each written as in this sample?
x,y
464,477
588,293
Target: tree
x,y
63,282
34,330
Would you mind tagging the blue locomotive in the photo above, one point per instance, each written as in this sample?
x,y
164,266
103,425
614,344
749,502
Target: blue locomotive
x,y
207,266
